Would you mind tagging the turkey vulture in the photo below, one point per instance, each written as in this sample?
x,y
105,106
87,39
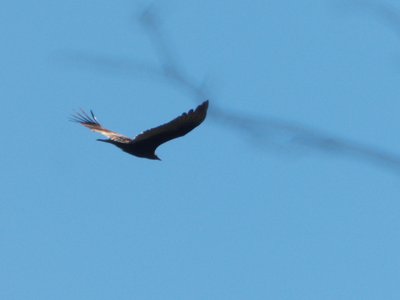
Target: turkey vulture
x,y
146,143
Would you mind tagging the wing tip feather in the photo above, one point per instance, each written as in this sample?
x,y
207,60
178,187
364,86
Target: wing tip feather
x,y
83,118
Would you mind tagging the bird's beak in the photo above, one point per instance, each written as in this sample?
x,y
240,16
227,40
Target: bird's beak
x,y
104,140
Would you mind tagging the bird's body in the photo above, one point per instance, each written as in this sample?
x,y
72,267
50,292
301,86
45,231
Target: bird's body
x,y
145,144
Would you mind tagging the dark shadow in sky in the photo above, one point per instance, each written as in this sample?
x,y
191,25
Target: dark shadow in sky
x,y
267,133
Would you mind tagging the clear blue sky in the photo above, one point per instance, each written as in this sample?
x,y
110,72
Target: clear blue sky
x,y
237,209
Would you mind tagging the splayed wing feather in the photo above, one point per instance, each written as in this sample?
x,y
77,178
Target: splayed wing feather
x,y
176,128
91,122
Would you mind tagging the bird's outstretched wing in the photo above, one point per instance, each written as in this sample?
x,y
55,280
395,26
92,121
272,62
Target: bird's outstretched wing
x,y
178,127
91,122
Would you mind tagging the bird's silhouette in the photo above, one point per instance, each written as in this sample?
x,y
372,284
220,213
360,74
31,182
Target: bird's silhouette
x,y
145,144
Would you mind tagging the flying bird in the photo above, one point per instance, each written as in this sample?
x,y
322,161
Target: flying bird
x,y
145,144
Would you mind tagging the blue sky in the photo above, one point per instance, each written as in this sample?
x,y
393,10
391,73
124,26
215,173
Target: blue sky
x,y
289,189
